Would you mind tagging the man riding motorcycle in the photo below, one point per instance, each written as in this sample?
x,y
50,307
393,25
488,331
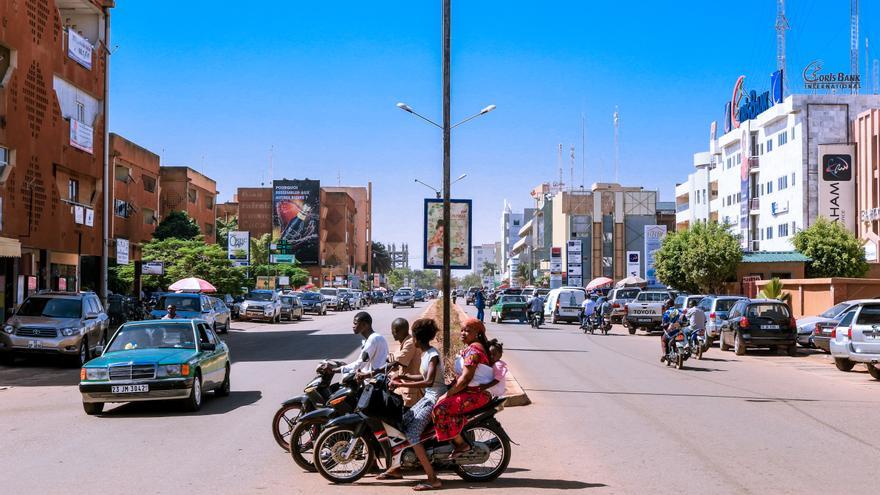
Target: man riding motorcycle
x,y
672,321
589,308
536,307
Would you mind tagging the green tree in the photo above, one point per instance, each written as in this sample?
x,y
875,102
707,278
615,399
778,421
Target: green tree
x,y
699,259
523,272
470,280
177,225
835,252
488,269
260,249
773,290
224,227
381,258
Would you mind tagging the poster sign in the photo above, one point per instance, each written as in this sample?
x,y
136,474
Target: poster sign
x,y
153,268
79,49
837,184
90,217
871,251
78,214
376,282
81,136
296,212
238,245
265,283
459,232
555,267
654,235
121,251
633,263
745,204
283,280
62,284
32,283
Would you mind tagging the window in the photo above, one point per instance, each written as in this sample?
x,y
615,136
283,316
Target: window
x,y
209,202
193,195
149,183
782,183
4,161
122,173
769,145
739,158
739,197
80,111
847,319
769,233
73,190
782,230
792,132
792,179
869,315
782,138
770,187
729,162
209,229
793,227
121,208
149,216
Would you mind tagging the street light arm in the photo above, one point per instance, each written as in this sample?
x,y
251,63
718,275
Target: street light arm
x,y
406,108
472,117
428,186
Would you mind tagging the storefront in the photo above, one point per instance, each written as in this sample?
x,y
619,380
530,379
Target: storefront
x,y
10,254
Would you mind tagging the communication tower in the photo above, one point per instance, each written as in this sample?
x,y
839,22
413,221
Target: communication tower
x,y
854,40
571,171
781,27
875,77
616,145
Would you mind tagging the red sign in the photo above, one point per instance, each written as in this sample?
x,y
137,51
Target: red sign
x,y
32,283
62,284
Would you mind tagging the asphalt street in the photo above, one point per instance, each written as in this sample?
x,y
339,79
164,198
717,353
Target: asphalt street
x,y
607,417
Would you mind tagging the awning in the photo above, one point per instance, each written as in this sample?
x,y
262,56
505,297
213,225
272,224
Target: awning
x,y
10,248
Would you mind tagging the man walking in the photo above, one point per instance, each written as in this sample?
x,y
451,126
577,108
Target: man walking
x,y
409,358
480,303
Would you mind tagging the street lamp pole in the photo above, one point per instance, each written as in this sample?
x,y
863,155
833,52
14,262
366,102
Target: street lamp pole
x,y
447,216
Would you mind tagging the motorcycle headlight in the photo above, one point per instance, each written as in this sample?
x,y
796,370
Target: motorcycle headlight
x,y
94,374
70,331
9,329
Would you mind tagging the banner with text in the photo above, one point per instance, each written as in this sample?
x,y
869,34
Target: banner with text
x,y
296,211
239,243
654,235
837,184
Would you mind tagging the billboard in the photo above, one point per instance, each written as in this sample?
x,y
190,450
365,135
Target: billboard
x,y
633,263
654,235
153,268
460,234
837,184
238,246
296,212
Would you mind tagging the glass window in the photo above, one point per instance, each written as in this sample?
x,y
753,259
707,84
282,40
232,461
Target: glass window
x,y
770,187
834,311
869,315
769,145
725,304
183,303
769,233
121,208
847,319
209,228
267,295
209,202
73,190
149,216
774,311
192,194
51,307
149,183
156,335
122,173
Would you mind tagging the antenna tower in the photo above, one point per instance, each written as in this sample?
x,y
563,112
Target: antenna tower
x,y
616,145
560,185
781,27
875,77
854,40
583,150
571,171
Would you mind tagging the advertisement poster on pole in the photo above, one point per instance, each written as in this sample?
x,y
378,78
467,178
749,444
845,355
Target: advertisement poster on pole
x,y
296,211
654,235
153,268
239,243
555,267
633,263
459,232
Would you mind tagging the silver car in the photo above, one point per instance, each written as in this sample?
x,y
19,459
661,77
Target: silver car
x,y
222,315
807,324
857,338
69,324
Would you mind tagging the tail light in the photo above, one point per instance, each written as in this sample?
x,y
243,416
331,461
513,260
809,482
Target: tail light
x,y
849,333
557,304
834,333
712,316
679,337
817,330
616,305
626,309
744,323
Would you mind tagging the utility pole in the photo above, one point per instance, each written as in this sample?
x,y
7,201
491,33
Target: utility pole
x,y
447,217
616,145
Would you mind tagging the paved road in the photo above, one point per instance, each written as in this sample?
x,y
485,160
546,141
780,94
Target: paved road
x,y
607,417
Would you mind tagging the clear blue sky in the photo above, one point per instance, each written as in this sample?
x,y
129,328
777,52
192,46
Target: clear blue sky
x,y
215,86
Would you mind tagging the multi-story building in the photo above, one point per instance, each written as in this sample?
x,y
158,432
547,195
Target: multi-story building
x,y
255,210
363,240
135,199
511,223
53,58
482,255
184,189
866,131
338,250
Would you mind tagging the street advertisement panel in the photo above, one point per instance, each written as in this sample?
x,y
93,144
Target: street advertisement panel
x,y
296,211
79,48
744,192
376,281
555,267
633,263
513,265
654,235
121,251
238,245
837,184
574,255
283,280
153,268
459,231
265,283
82,136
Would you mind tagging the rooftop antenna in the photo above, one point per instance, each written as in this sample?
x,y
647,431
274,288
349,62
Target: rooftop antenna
x,y
571,171
338,177
781,27
616,145
867,66
271,157
559,185
583,149
854,41
875,77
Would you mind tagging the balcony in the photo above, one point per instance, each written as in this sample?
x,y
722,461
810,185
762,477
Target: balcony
x,y
754,164
754,204
682,207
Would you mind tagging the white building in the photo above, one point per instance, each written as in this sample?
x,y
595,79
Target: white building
x,y
484,254
510,225
763,177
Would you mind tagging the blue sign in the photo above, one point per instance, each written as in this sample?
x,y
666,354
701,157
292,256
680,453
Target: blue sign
x,y
751,104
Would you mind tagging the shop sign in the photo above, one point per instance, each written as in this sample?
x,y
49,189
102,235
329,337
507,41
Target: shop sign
x,y
871,251
239,247
153,268
837,184
78,214
90,217
870,215
815,79
283,280
654,235
633,263
79,48
121,251
460,244
746,105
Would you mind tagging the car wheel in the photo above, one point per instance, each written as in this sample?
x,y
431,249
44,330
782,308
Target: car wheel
x,y
739,345
844,364
393,306
83,355
299,318
93,408
792,350
874,371
553,318
721,344
194,401
225,387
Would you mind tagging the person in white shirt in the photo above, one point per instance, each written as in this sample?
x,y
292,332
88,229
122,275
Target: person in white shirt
x,y
375,346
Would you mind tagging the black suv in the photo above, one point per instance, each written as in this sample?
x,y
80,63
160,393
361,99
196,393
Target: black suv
x,y
759,323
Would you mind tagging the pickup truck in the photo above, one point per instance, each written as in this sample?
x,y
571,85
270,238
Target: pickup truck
x,y
646,311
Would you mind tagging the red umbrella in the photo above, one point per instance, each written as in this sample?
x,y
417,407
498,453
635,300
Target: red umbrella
x,y
599,282
307,287
192,284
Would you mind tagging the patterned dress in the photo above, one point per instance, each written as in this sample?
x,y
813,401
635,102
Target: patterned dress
x,y
449,413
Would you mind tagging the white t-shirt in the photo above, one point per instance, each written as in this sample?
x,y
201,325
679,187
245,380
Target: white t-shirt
x,y
376,348
438,388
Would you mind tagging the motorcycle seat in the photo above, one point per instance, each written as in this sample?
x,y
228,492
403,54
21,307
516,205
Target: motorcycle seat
x,y
488,407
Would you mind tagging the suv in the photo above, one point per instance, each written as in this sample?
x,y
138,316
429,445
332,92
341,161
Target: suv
x,y
291,308
331,297
313,302
618,299
759,323
857,339
261,305
716,308
62,323
188,305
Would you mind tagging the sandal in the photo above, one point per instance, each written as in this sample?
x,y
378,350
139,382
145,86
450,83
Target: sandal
x,y
425,486
388,476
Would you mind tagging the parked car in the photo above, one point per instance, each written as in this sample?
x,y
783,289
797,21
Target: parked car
x,y
313,302
403,297
716,308
188,305
262,305
157,360
222,315
563,304
618,299
646,310
232,303
331,296
831,316
856,339
686,302
759,323
68,324
291,308
509,307
822,334
470,294
419,295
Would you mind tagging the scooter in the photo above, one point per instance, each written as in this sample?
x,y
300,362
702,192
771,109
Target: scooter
x,y
588,324
535,319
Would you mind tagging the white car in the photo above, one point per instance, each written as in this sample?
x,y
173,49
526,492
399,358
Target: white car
x,y
564,304
261,305
331,296
857,339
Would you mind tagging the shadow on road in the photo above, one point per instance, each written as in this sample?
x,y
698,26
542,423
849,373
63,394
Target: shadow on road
x,y
534,483
289,345
705,396
39,371
212,406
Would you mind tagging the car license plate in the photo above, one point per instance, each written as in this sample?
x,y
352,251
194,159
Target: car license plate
x,y
35,344
129,389
644,320
769,327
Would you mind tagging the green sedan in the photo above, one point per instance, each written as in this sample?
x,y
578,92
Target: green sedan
x,y
157,360
509,307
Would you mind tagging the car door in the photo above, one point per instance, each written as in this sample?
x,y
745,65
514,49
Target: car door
x,y
732,320
222,311
208,358
866,330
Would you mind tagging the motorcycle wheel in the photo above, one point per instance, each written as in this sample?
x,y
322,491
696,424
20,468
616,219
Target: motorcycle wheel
x,y
699,351
283,423
499,457
679,361
302,444
329,460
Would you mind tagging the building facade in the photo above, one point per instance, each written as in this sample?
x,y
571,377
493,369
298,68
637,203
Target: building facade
x,y
866,129
363,236
135,199
338,232
255,210
185,189
511,223
483,254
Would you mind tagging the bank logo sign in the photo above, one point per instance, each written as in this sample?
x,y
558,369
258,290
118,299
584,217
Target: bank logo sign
x,y
746,105
837,167
837,187
814,78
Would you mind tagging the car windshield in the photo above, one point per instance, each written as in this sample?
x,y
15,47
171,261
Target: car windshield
x,y
652,297
309,296
627,293
182,303
404,293
259,296
513,299
543,292
869,315
835,310
51,307
772,311
724,305
287,300
156,335
513,292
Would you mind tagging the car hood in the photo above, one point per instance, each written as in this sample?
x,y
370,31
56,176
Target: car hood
x,y
145,356
43,322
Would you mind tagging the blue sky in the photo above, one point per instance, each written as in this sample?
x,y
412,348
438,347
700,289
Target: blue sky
x,y
216,88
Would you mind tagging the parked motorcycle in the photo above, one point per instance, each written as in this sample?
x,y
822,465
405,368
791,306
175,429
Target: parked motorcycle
x,y
349,445
314,396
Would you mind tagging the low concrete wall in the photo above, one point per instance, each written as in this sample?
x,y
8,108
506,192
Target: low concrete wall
x,y
812,296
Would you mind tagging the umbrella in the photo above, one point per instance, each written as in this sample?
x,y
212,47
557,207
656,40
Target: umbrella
x,y
192,284
631,281
599,282
307,287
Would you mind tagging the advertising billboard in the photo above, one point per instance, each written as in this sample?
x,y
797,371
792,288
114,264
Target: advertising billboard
x,y
837,184
633,263
459,231
296,212
238,245
654,235
153,268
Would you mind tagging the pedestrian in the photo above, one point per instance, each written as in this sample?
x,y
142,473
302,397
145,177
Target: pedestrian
x,y
430,379
408,358
454,295
472,367
171,314
480,303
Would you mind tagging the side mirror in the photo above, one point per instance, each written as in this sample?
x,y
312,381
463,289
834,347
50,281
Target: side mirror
x,y
99,349
91,315
209,347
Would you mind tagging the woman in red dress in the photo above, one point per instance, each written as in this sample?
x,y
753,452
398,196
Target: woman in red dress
x,y
464,395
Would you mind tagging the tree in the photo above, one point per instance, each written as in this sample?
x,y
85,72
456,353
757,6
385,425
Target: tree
x,y
489,269
470,280
835,252
260,249
699,259
177,225
381,258
224,227
773,290
523,272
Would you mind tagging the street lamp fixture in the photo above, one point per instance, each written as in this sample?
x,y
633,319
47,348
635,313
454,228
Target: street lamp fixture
x,y
437,191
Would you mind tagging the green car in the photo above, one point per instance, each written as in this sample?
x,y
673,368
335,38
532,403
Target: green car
x,y
157,360
509,307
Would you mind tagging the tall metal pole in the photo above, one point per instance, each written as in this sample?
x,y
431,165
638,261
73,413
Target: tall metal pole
x,y
107,181
447,217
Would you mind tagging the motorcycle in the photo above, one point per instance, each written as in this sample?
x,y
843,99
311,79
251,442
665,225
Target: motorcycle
x,y
678,349
588,324
698,342
349,445
315,395
535,319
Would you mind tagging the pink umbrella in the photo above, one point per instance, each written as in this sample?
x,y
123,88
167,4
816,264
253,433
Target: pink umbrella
x,y
599,282
192,284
